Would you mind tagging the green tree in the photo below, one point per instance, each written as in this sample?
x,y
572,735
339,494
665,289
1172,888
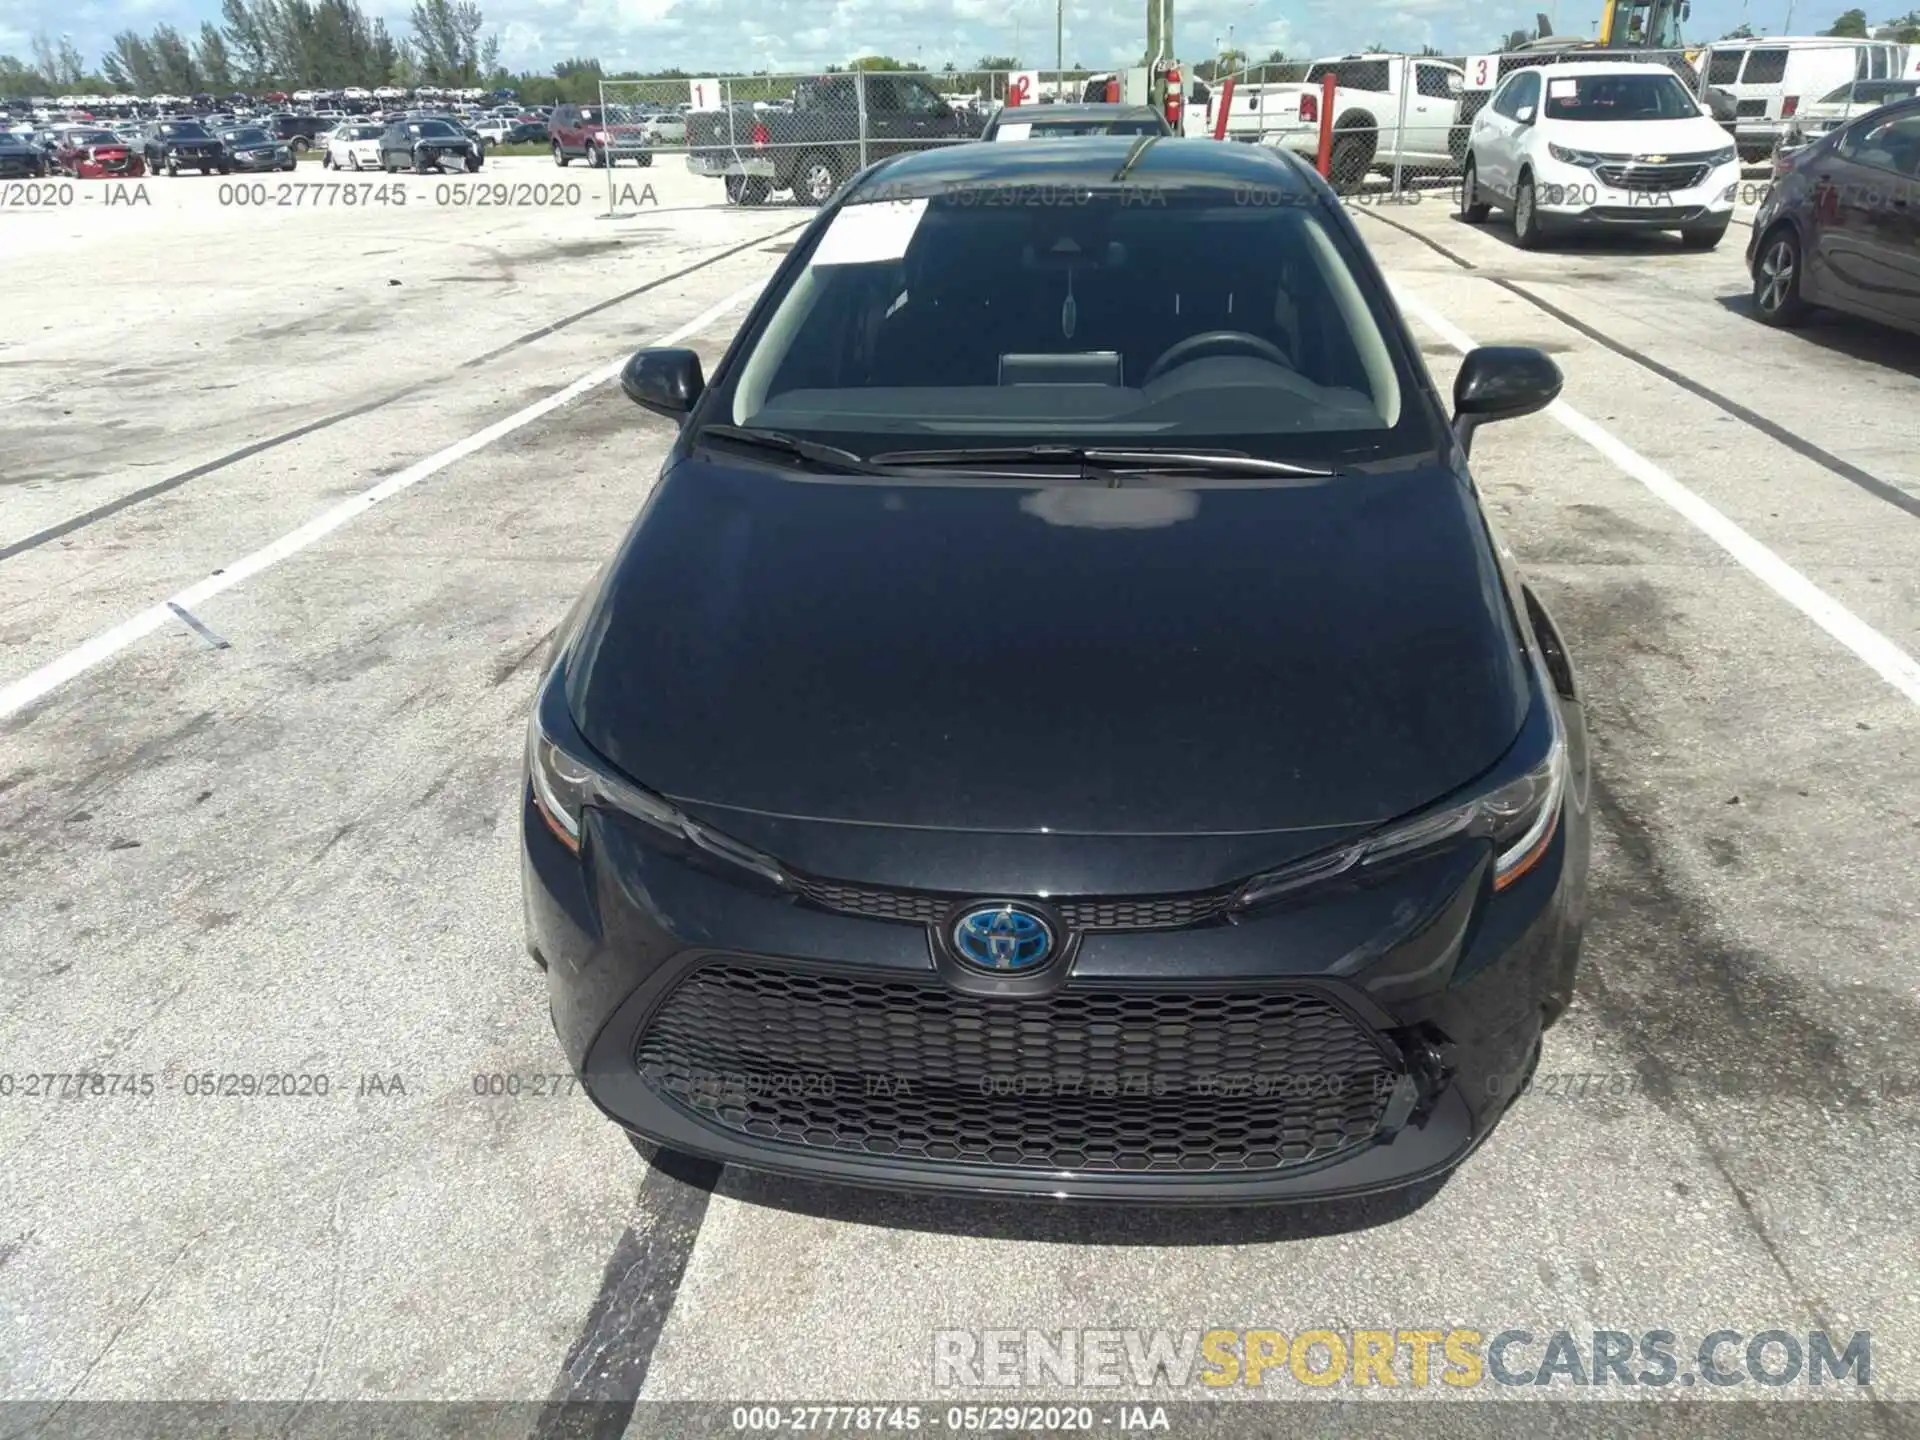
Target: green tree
x,y
1852,23
210,55
1739,32
19,78
878,62
1906,30
130,66
173,59
447,43
59,63
247,45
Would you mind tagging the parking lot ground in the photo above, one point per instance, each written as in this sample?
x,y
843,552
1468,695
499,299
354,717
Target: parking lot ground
x,y
289,850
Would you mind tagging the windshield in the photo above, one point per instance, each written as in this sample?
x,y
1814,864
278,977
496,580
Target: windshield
x,y
1618,97
184,132
1049,130
963,321
246,137
435,128
93,137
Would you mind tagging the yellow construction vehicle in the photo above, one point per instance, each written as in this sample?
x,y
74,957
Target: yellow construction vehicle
x,y
1624,25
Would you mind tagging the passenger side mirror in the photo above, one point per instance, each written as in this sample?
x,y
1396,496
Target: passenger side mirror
x,y
1524,114
667,382
1501,382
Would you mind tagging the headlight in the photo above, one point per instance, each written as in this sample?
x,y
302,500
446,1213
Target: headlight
x,y
1723,157
1519,817
1584,159
565,786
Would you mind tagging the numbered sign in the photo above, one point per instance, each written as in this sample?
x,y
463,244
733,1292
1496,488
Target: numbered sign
x,y
705,94
1023,87
1483,72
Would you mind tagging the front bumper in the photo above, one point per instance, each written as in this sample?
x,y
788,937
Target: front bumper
x,y
445,157
1567,196
1424,992
714,165
129,169
261,160
1759,134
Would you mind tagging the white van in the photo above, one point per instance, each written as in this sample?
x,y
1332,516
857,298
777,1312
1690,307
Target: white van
x,y
1770,79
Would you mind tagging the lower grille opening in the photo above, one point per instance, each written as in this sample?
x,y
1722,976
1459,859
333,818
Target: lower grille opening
x,y
1085,1080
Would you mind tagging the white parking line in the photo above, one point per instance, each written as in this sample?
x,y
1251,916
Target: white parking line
x,y
108,643
1881,655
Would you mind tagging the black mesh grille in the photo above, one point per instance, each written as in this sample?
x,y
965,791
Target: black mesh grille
x,y
926,907
1084,1080
1647,214
1682,175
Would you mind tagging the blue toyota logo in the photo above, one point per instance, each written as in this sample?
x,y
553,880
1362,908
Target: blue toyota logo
x,y
1002,937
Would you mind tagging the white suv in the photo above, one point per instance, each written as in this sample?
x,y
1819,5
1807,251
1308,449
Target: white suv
x,y
1607,145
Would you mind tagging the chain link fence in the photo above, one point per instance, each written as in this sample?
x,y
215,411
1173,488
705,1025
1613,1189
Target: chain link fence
x,y
1380,126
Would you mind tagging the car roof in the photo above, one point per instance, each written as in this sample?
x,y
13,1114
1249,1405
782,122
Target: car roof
x,y
1091,110
1793,42
1600,67
1090,161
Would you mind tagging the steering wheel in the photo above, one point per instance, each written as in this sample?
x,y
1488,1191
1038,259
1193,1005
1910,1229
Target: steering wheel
x,y
1181,351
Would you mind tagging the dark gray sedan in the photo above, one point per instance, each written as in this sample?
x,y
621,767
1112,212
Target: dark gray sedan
x,y
425,145
252,148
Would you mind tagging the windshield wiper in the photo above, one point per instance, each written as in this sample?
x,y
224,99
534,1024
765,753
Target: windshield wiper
x,y
810,450
1188,462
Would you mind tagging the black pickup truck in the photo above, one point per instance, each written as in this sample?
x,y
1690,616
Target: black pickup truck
x,y
833,126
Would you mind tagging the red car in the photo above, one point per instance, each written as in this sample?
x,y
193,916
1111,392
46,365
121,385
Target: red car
x,y
599,137
96,155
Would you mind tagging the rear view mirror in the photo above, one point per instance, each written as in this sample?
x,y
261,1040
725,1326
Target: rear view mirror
x,y
1501,382
667,382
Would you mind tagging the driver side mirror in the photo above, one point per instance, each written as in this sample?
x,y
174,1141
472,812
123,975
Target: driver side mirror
x,y
1501,382
667,382
1524,115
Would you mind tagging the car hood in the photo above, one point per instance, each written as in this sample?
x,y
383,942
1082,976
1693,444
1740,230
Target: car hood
x,y
1062,657
1690,136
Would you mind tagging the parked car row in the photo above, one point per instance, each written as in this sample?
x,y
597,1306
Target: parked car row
x,y
351,98
421,143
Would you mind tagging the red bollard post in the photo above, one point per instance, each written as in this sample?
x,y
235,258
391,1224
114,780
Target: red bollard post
x,y
1226,108
1325,163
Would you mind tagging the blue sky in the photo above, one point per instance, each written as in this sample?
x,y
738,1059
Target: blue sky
x,y
721,36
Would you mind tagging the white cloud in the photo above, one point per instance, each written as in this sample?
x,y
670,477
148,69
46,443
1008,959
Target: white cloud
x,y
716,37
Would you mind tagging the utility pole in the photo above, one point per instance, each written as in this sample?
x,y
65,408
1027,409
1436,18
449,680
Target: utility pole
x,y
1059,46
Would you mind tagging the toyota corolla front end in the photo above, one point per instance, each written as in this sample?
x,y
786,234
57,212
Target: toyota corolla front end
x,y
1087,818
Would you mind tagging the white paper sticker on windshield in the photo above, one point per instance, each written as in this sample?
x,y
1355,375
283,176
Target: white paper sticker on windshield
x,y
864,234
1014,130
1562,89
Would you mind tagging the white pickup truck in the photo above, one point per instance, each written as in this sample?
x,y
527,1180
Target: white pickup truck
x,y
1367,126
